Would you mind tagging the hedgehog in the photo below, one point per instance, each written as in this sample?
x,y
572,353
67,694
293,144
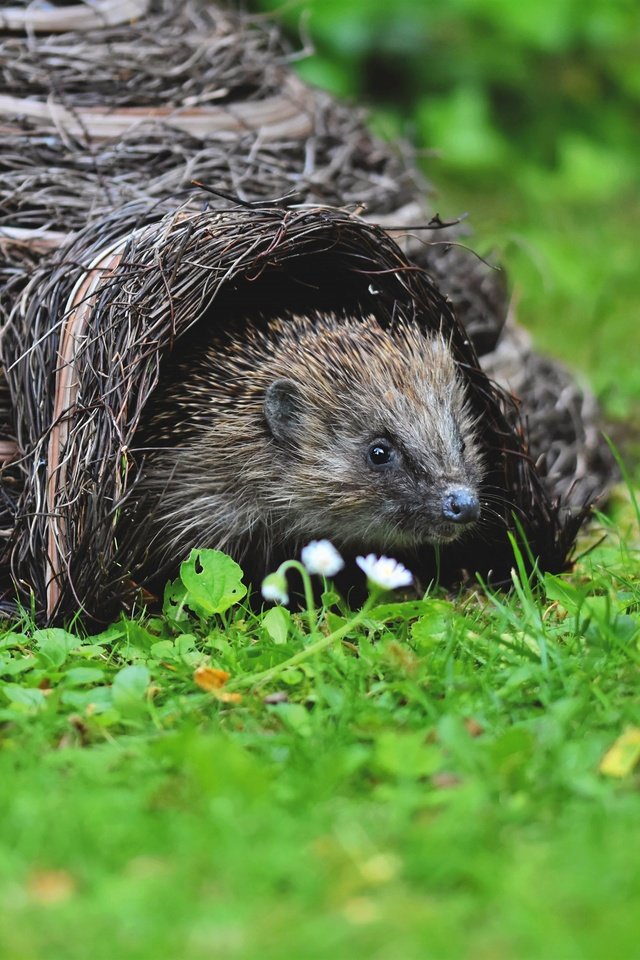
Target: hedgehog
x,y
308,427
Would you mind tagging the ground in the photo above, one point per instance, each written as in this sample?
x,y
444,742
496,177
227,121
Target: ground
x,y
454,777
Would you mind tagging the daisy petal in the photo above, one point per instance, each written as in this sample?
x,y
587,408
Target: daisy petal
x,y
385,572
320,556
274,587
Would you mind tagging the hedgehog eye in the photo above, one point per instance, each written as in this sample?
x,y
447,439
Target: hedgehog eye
x,y
463,445
380,453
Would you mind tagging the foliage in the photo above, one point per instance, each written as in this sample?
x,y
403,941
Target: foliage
x,y
548,84
530,112
272,784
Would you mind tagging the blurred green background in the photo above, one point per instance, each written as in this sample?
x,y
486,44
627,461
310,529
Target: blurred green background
x,y
529,116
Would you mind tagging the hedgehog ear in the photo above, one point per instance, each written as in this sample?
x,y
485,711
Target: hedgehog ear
x,y
282,408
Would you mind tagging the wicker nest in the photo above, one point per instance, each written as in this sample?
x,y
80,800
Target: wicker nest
x,y
111,255
92,339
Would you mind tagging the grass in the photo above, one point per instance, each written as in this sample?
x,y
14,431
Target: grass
x,y
572,269
449,782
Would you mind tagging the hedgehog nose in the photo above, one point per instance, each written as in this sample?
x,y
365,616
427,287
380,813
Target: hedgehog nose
x,y
460,505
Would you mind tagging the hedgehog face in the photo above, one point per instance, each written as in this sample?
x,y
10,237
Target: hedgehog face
x,y
386,458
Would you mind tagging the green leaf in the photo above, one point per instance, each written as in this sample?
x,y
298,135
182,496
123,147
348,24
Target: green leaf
x,y
13,640
403,610
213,581
30,697
139,638
330,598
55,645
598,608
563,592
295,717
185,643
12,666
98,699
175,594
164,650
107,637
512,754
276,622
78,676
406,754
434,624
129,687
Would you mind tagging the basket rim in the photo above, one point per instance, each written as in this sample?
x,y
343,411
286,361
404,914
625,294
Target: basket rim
x,y
79,16
288,114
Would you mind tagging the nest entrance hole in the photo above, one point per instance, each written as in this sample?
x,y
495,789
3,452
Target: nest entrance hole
x,y
315,283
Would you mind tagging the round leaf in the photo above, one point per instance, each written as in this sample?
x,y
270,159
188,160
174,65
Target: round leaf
x,y
213,581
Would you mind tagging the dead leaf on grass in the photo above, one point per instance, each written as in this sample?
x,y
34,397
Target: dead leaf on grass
x,y
213,680
623,755
51,886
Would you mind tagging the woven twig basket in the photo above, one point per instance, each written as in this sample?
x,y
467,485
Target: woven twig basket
x,y
92,340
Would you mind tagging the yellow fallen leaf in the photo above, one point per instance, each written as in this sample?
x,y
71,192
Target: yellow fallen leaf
x,y
213,681
380,868
210,679
621,758
225,697
360,911
51,886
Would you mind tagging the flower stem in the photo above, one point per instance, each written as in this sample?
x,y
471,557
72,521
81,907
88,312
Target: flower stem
x,y
308,591
318,646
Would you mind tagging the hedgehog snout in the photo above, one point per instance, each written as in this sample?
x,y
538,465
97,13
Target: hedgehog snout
x,y
460,505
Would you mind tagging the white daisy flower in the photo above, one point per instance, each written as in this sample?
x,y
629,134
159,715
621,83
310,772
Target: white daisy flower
x,y
320,556
385,572
274,587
